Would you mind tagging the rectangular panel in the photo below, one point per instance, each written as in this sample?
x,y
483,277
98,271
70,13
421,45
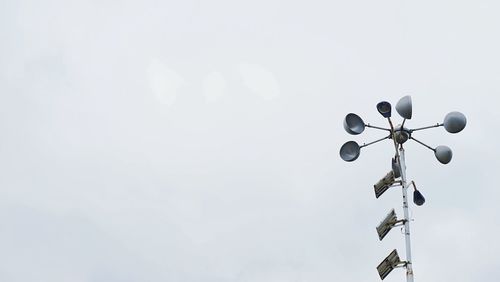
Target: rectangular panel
x,y
383,184
386,225
388,264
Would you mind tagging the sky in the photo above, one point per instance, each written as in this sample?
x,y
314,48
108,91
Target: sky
x,y
199,140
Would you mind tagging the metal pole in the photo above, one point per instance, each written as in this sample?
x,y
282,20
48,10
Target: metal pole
x,y
409,268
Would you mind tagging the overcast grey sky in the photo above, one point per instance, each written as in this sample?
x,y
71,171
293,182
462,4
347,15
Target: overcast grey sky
x,y
198,140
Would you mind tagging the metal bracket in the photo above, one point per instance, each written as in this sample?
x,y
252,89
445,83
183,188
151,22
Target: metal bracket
x,y
397,183
411,183
398,223
401,264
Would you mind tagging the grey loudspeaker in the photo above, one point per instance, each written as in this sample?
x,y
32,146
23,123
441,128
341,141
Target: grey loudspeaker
x,y
404,107
353,124
349,151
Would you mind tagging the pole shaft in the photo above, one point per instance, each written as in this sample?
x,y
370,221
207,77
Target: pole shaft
x,y
409,268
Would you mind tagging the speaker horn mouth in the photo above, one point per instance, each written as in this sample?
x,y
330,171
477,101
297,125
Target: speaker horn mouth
x,y
350,151
353,124
384,108
418,198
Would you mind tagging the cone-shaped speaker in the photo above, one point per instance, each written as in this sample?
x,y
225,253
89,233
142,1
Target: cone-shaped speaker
x,y
349,151
404,108
454,122
384,108
443,154
353,124
418,198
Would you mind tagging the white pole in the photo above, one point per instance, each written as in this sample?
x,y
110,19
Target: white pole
x,y
409,268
